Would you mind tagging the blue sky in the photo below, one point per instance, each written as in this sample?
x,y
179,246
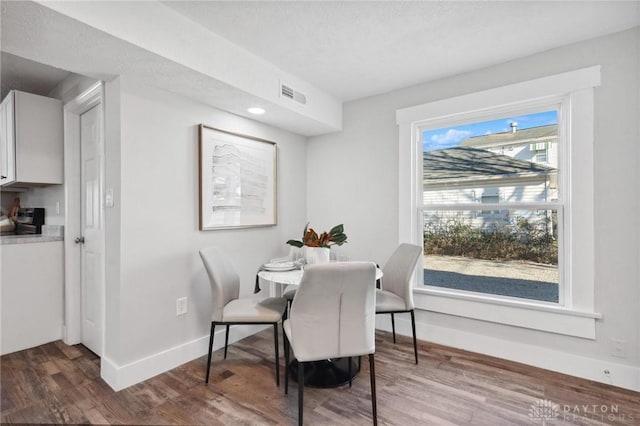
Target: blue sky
x,y
449,137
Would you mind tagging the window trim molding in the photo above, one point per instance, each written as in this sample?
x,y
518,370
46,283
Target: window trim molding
x,y
536,316
577,316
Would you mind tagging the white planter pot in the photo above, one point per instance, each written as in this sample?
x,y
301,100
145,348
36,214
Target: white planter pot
x,y
315,255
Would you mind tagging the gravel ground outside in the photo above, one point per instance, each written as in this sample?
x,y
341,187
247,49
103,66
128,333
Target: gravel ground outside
x,y
507,278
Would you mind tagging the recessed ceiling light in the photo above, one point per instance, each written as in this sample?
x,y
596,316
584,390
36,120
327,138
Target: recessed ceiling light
x,y
256,110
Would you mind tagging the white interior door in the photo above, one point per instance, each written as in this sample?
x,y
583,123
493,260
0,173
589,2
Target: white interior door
x,y
91,226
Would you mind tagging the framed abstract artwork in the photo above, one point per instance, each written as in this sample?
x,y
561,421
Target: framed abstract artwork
x,y
237,180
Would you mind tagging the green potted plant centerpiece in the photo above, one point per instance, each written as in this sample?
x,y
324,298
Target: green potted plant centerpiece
x,y
316,248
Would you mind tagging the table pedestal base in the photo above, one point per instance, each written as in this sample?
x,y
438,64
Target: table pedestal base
x,y
328,373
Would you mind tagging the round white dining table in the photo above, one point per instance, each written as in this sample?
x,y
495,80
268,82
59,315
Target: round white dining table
x,y
292,277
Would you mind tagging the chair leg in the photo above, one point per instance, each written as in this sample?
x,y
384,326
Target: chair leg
x,y
213,329
350,373
275,343
393,327
226,341
372,371
300,391
284,336
413,328
286,362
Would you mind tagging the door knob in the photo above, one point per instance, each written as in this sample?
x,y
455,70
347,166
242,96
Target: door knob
x,y
79,240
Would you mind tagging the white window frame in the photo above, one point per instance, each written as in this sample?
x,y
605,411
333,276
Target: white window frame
x,y
575,315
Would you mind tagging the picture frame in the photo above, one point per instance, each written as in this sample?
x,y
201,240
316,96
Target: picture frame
x,y
237,180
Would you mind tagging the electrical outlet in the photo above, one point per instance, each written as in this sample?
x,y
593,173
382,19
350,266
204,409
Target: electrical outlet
x,y
181,306
618,348
108,198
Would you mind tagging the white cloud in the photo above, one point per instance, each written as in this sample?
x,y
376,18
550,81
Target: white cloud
x,y
451,138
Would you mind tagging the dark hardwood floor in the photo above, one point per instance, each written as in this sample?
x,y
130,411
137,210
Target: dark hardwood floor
x,y
55,383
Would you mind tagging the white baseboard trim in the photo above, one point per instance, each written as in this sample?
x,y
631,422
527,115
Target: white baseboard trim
x,y
122,376
621,375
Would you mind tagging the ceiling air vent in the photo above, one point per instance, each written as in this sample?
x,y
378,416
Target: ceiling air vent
x,y
288,92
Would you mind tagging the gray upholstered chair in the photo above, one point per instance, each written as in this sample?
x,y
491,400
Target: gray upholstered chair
x,y
229,309
332,316
289,293
396,295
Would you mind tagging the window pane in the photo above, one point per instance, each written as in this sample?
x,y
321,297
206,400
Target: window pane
x,y
493,249
510,252
513,159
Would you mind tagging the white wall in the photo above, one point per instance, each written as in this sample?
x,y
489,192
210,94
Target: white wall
x,y
152,232
353,178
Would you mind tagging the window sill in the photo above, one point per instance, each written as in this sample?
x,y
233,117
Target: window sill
x,y
535,316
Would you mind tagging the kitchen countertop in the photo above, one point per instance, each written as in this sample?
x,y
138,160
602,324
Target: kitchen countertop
x,y
25,239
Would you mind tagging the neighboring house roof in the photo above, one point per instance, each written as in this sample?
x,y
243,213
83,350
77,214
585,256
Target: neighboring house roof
x,y
462,163
507,138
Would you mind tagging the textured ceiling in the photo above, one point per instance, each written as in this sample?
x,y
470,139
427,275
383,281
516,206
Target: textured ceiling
x,y
357,49
28,76
233,54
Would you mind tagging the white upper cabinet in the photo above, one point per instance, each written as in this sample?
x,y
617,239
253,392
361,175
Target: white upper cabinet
x,y
31,140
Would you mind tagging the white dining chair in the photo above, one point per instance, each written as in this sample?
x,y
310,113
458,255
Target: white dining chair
x,y
229,309
295,254
396,293
332,316
289,293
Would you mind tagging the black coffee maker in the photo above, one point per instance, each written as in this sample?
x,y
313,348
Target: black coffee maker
x,y
30,220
